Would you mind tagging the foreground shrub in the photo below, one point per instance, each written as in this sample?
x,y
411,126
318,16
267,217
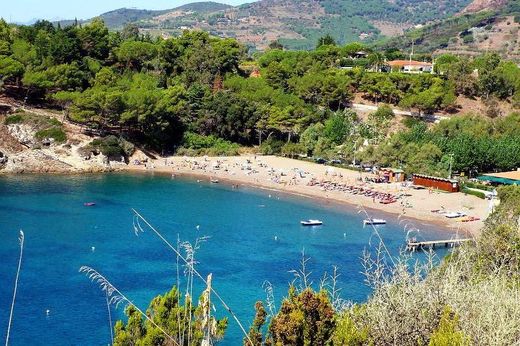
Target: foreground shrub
x,y
471,298
185,323
448,332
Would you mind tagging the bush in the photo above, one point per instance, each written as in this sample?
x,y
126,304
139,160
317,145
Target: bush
x,y
109,146
271,147
13,119
384,112
474,193
195,141
410,122
195,144
468,39
55,133
293,149
478,186
448,332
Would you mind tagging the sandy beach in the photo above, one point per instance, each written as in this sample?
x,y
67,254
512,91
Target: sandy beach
x,y
326,183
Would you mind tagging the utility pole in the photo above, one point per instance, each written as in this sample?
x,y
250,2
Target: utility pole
x,y
451,163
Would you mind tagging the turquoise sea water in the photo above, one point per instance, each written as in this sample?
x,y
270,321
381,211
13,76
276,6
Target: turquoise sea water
x,y
241,253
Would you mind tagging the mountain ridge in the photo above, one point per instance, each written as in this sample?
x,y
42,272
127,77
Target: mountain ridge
x,y
297,24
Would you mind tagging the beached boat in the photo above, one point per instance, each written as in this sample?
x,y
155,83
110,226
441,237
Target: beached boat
x,y
311,223
214,181
470,219
454,215
89,204
374,222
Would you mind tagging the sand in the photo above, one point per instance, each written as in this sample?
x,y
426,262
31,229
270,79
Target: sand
x,y
283,174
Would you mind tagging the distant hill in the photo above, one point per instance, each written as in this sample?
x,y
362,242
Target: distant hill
x,y
481,26
117,19
295,23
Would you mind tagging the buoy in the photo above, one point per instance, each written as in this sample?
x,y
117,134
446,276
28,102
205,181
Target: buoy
x,y
269,196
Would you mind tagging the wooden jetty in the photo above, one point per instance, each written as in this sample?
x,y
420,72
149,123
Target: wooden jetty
x,y
413,245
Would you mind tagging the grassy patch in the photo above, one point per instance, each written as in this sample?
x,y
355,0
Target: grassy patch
x,y
55,133
474,193
45,127
195,144
478,186
13,119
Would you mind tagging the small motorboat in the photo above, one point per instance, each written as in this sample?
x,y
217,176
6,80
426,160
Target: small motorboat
x,y
89,204
311,223
374,222
214,181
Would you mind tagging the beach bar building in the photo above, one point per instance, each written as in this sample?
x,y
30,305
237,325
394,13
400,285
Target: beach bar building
x,y
444,184
503,178
393,175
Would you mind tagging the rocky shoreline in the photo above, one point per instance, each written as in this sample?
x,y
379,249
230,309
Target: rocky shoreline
x,y
22,152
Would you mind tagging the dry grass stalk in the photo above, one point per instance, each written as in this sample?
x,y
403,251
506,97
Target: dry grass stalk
x,y
116,297
194,271
22,240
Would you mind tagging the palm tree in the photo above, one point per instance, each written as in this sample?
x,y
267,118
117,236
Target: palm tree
x,y
376,61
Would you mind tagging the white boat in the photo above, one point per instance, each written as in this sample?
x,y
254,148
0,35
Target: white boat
x,y
374,222
214,181
454,215
311,223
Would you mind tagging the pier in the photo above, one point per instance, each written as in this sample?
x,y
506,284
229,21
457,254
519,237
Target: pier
x,y
413,245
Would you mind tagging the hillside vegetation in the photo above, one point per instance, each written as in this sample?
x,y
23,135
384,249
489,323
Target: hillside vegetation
x,y
297,24
193,94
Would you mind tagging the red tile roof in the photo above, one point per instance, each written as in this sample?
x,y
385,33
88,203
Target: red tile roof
x,y
399,63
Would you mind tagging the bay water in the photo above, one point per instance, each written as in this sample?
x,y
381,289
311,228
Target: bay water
x,y
254,237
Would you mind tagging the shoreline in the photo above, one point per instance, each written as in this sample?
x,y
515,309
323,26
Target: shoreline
x,y
341,205
292,177
179,166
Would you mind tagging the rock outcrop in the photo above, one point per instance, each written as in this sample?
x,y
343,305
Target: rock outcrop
x,y
21,152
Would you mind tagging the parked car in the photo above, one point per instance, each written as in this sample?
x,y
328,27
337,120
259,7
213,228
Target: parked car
x,y
320,160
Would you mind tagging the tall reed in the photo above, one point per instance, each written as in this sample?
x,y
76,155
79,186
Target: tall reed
x,y
138,228
117,297
22,240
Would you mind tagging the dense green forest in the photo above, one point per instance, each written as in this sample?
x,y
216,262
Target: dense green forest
x,y
193,94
